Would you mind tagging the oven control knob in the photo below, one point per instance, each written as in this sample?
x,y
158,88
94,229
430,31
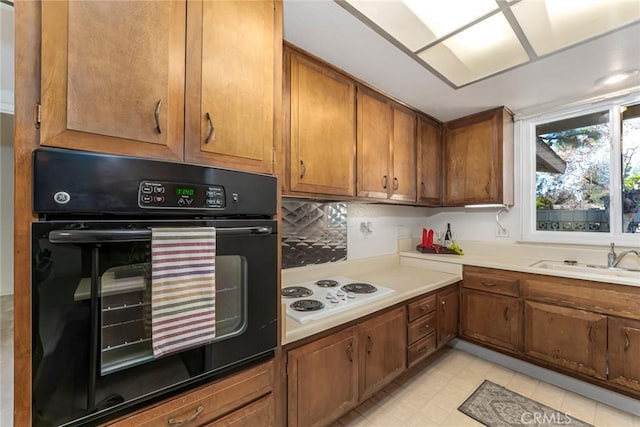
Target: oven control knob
x,y
351,295
340,293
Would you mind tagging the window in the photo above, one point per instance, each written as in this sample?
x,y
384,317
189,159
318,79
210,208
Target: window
x,y
581,174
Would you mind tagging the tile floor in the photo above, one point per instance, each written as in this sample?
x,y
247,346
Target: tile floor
x,y
6,360
429,395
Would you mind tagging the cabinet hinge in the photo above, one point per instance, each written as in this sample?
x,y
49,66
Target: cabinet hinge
x,y
36,115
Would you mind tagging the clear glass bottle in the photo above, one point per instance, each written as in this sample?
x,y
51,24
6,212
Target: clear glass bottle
x,y
447,236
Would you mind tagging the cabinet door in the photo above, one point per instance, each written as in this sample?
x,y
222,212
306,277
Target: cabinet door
x,y
566,337
492,319
375,130
448,313
323,379
429,168
624,352
321,123
474,159
383,344
403,149
233,57
112,77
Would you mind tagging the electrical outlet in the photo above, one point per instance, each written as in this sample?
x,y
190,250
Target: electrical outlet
x,y
502,230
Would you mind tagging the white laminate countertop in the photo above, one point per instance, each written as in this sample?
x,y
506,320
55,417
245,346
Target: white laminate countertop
x,y
407,281
523,265
411,273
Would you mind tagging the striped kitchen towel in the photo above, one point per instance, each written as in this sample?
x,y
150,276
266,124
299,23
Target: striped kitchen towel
x,y
183,288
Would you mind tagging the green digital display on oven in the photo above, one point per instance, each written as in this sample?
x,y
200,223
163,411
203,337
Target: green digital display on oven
x,y
185,191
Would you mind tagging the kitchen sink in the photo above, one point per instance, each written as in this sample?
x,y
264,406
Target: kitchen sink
x,y
572,266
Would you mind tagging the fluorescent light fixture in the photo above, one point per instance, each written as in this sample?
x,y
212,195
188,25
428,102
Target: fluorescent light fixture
x,y
488,206
483,49
463,41
617,77
550,25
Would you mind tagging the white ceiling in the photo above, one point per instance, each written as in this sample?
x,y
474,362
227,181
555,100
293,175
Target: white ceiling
x,y
328,31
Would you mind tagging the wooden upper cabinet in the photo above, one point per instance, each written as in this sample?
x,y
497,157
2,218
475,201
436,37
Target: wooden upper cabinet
x,y
403,185
478,159
386,149
234,52
112,77
320,117
429,168
375,130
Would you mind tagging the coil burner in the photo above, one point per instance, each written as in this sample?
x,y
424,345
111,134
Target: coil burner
x,y
307,305
296,292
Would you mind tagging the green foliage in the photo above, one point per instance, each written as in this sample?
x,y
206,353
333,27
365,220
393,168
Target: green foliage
x,y
630,181
543,202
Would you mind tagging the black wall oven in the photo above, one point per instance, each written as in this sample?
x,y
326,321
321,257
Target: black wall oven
x,y
91,279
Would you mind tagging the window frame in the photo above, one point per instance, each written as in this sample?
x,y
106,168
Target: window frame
x,y
525,132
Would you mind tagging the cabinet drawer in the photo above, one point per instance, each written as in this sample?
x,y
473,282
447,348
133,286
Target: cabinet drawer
x,y
258,413
209,402
421,307
490,282
421,327
421,349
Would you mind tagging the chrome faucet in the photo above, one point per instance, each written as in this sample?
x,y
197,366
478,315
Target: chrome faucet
x,y
614,260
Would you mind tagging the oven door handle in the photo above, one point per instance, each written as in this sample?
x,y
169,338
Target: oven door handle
x,y
115,236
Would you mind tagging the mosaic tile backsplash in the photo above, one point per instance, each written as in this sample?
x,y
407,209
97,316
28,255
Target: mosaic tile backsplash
x,y
313,232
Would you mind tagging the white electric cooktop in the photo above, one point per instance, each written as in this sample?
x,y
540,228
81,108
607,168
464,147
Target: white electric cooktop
x,y
322,298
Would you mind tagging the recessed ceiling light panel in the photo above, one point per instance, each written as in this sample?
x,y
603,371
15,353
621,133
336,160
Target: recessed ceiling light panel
x,y
550,25
483,49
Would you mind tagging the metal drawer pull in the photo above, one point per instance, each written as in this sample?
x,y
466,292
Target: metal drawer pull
x,y
396,184
488,284
175,422
506,313
211,135
444,306
156,114
369,344
425,328
589,333
423,349
350,352
627,341
424,307
384,182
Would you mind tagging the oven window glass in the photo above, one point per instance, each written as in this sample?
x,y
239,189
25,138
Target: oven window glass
x,y
125,290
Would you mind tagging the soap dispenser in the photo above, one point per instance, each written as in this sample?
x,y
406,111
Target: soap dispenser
x,y
611,258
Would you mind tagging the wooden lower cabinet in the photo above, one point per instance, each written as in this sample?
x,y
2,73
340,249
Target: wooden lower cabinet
x,y
323,379
566,337
490,318
258,413
383,343
243,399
448,314
624,352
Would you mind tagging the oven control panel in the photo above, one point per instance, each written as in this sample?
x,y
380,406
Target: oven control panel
x,y
172,195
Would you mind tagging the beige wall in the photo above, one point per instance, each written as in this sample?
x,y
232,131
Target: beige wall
x,y
6,204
